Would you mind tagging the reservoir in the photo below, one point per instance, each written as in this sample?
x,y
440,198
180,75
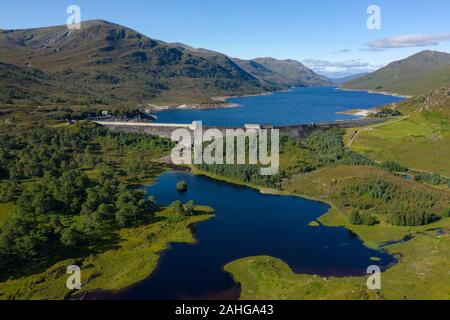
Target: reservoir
x,y
296,106
247,223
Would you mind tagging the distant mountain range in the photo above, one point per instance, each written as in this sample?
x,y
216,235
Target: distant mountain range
x,y
415,75
108,64
281,74
273,74
349,78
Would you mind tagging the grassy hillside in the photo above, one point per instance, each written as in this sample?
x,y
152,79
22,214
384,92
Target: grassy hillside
x,y
420,140
427,81
412,76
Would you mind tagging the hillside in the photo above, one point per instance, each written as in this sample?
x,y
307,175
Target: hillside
x,y
110,65
419,140
417,74
282,74
105,63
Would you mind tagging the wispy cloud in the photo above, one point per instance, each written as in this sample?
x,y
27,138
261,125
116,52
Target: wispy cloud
x,y
371,49
408,41
340,68
342,51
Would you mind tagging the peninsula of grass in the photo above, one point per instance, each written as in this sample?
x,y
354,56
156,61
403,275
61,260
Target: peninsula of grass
x,y
421,273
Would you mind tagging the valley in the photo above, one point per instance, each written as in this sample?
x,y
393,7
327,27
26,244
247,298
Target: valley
x,y
86,177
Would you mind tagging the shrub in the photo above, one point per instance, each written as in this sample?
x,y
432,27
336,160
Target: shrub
x,y
358,219
432,178
182,186
405,206
446,213
393,167
355,218
369,220
412,218
189,208
177,207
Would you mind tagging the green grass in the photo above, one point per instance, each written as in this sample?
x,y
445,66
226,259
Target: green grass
x,y
5,212
132,260
374,236
323,184
422,273
314,224
420,140
267,278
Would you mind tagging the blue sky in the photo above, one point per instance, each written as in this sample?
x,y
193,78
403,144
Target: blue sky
x,y
330,36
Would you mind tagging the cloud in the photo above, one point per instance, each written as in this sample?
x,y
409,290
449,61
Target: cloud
x,y
340,68
371,49
408,41
342,51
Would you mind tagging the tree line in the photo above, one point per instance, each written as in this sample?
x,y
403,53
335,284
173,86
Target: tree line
x,y
59,208
401,205
321,149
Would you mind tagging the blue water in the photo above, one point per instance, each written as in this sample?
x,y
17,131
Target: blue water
x,y
247,223
298,106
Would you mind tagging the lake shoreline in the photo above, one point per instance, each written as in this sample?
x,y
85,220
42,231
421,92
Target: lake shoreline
x,y
282,108
386,93
154,278
224,104
361,113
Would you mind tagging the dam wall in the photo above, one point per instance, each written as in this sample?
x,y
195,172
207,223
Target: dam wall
x,y
300,131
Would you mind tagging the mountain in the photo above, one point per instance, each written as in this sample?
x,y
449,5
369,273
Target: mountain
x,y
271,73
282,74
349,78
415,75
108,64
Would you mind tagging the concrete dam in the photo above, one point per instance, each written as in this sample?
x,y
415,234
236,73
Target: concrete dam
x,y
300,131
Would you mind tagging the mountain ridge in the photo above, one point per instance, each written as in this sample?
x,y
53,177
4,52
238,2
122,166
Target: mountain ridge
x,y
414,75
121,64
282,74
109,64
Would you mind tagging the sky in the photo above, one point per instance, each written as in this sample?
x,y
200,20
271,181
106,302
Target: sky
x,y
330,36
